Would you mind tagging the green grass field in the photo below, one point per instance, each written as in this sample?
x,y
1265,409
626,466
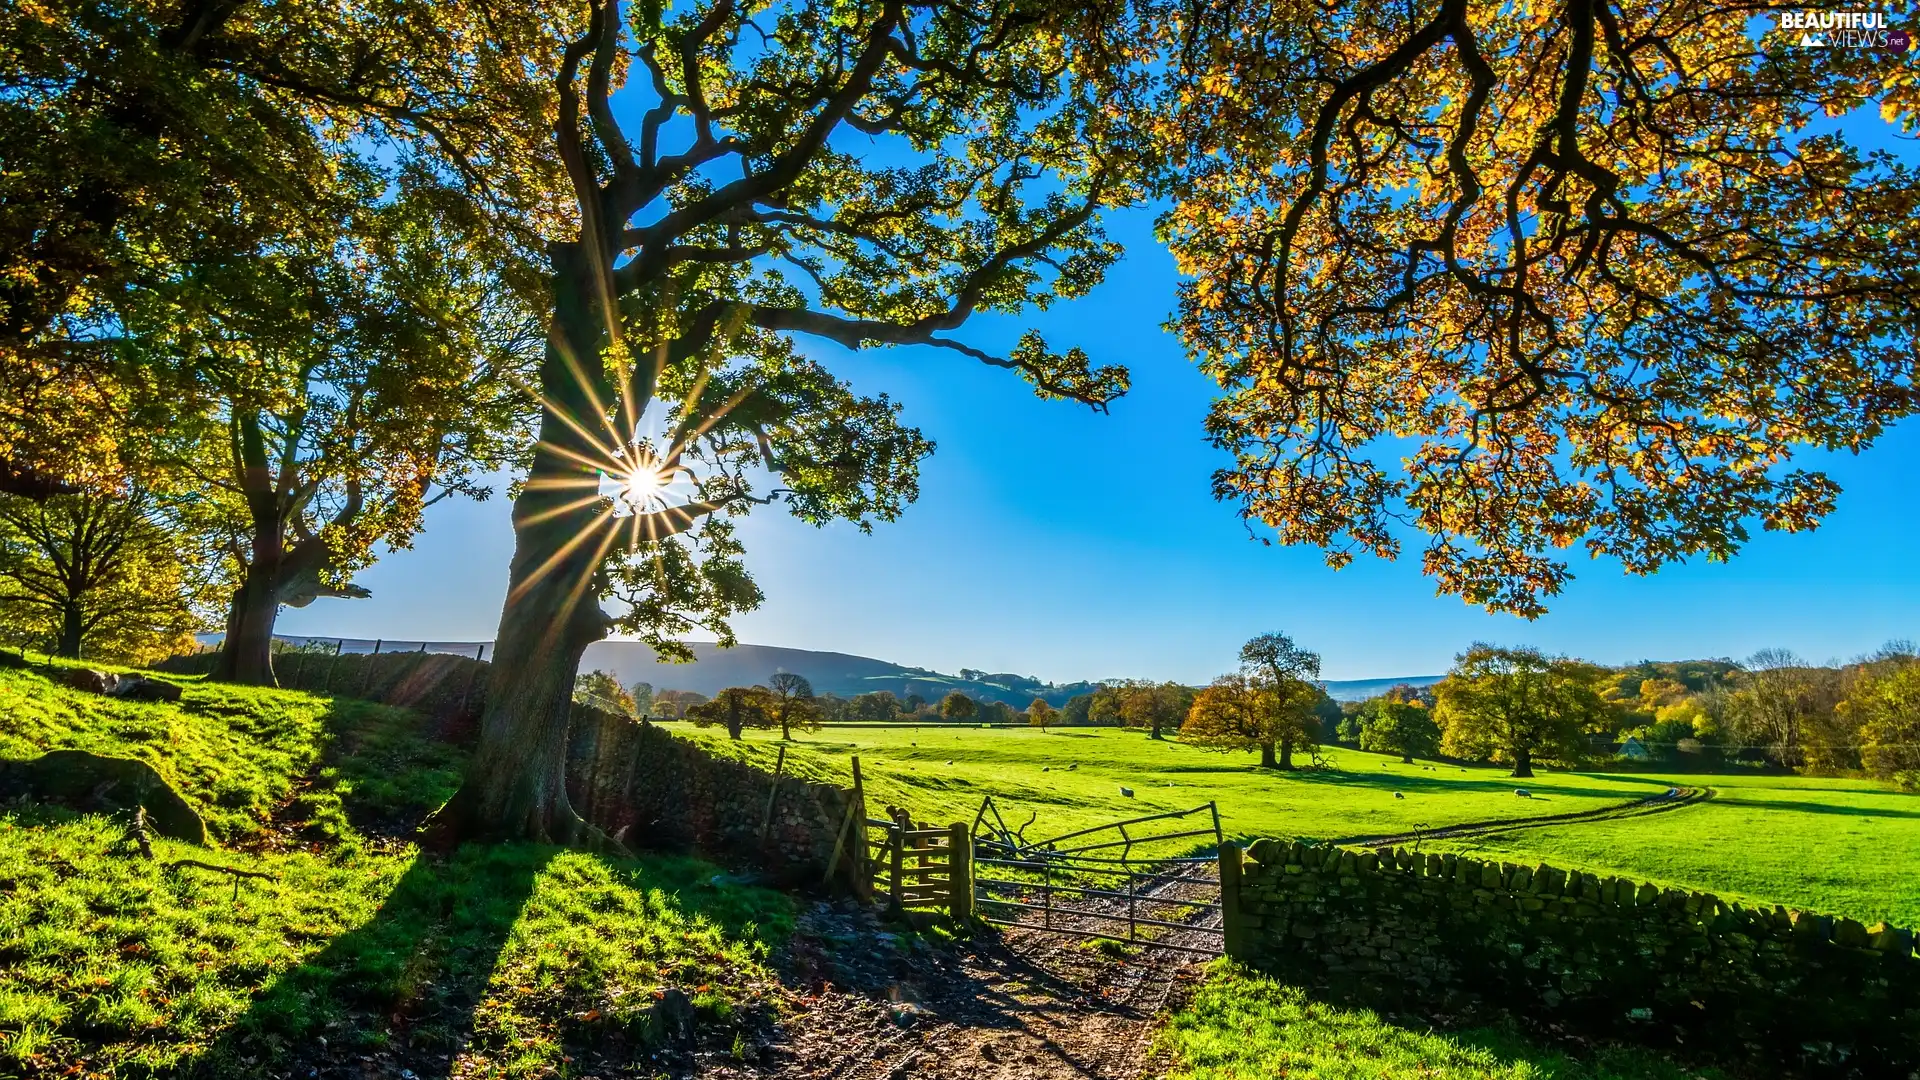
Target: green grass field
x,y
513,956
1844,847
1848,847
525,961
1241,1025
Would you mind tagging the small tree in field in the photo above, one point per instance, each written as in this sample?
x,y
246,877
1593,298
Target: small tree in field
x,y
792,704
1229,715
1040,714
602,690
957,706
737,707
1518,706
1396,727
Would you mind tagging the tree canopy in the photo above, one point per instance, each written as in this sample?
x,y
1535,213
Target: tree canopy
x,y
792,704
100,576
1542,276
1520,706
1398,727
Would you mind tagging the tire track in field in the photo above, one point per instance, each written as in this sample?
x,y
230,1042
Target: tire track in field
x,y
1666,802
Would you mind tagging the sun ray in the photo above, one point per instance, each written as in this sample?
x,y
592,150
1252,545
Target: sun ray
x,y
556,511
545,568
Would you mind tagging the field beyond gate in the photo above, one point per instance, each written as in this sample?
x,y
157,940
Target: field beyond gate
x,y
1076,885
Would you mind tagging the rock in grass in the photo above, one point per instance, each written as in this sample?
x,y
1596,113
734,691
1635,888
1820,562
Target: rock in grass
x,y
141,688
89,781
89,680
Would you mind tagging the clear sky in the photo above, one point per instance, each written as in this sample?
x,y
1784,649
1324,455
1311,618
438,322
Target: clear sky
x,y
1052,541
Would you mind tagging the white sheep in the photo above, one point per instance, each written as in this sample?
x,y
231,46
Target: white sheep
x,y
1397,795
1126,792
1523,793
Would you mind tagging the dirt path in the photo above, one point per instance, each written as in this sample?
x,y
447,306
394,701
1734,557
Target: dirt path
x,y
1012,1005
1670,800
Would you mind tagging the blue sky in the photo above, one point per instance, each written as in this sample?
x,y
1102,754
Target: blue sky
x,y
1052,541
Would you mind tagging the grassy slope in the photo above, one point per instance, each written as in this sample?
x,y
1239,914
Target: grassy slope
x,y
1844,847
1848,847
1243,1026
517,952
909,767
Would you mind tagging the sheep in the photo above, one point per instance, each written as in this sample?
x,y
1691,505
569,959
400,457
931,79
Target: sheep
x,y
1523,793
1073,766
949,761
1126,792
1397,795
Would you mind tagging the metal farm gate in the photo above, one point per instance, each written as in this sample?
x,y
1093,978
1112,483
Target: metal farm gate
x,y
1133,878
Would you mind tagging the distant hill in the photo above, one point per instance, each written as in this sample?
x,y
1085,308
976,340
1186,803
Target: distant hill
x,y
844,674
1362,689
715,669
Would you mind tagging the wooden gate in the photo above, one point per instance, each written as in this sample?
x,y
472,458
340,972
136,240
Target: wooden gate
x,y
919,866
1091,883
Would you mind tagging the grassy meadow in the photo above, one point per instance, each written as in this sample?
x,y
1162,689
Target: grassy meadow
x,y
1845,847
508,959
1242,1025
517,960
1849,847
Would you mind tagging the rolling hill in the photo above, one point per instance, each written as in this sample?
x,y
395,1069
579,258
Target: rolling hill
x,y
845,674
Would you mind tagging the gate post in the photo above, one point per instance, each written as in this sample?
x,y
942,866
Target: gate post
x,y
1232,930
960,872
897,851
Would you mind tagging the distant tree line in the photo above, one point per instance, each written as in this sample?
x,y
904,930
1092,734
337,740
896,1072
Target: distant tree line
x,y
1521,707
1514,706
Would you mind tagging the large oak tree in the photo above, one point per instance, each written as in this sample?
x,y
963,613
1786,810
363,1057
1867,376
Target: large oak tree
x,y
742,178
1517,278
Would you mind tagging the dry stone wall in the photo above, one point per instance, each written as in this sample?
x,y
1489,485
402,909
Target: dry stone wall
x,y
1782,990
636,780
632,779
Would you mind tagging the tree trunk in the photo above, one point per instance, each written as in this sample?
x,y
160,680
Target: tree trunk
x,y
1406,758
1286,753
246,655
1523,763
1155,733
72,628
1266,756
515,787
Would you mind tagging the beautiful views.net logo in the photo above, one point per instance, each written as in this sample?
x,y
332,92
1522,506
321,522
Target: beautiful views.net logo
x,y
1844,30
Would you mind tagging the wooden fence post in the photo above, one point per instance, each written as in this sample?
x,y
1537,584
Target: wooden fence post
x,y
466,692
367,679
766,820
1233,931
960,873
897,845
338,648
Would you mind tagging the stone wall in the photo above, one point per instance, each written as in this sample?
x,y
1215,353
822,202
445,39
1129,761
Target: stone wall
x,y
632,779
636,780
449,688
1604,956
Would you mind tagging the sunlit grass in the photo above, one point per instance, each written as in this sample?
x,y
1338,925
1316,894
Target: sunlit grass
x,y
1245,1026
509,957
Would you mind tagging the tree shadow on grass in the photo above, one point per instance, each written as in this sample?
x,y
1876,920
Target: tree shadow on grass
x,y
401,987
514,951
1743,802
